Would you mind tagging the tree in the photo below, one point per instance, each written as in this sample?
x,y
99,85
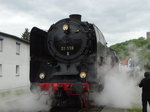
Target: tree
x,y
26,34
141,38
137,48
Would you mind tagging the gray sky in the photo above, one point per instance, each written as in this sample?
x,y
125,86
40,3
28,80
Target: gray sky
x,y
119,20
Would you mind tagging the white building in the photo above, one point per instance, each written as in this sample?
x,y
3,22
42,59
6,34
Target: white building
x,y
14,62
148,35
125,64
128,64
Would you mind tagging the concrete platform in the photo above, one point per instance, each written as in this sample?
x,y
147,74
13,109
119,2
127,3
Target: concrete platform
x,y
110,109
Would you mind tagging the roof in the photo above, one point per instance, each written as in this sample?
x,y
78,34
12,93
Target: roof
x,y
14,37
125,60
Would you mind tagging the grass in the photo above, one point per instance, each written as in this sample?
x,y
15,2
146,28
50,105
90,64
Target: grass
x,y
19,92
8,93
134,110
5,93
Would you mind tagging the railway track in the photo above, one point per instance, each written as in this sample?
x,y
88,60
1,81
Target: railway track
x,y
92,109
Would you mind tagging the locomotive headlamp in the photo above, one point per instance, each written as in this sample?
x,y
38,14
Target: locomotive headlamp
x,y
65,27
41,75
83,75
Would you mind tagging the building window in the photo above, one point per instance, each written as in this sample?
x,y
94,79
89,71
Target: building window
x,y
0,70
1,44
17,70
17,48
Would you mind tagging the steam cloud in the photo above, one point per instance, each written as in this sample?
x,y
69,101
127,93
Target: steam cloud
x,y
120,87
120,90
26,103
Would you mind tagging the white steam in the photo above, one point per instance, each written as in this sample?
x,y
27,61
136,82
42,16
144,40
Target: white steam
x,y
120,89
26,103
121,86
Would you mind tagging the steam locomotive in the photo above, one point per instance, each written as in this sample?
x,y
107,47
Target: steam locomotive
x,y
66,59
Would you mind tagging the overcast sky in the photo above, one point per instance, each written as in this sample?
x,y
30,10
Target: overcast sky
x,y
119,20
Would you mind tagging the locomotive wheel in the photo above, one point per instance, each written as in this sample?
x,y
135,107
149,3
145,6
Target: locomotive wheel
x,y
85,100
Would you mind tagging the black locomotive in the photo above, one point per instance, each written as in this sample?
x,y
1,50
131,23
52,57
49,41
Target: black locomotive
x,y
68,56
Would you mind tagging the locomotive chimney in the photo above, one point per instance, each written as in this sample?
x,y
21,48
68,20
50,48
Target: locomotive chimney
x,y
75,17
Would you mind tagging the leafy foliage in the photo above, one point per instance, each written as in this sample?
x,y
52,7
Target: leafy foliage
x,y
26,34
137,48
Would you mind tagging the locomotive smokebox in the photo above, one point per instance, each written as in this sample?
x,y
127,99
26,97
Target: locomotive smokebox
x,y
75,17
